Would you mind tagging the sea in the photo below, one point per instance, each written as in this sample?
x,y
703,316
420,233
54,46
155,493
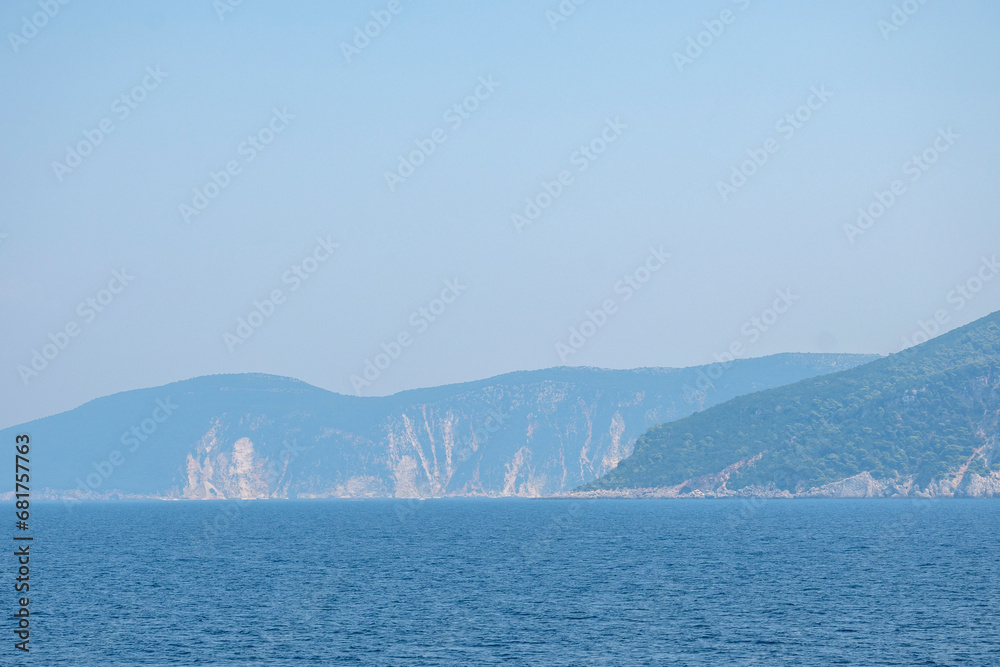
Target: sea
x,y
511,582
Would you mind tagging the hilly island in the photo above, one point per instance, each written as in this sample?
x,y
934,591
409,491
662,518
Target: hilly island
x,y
921,423
530,434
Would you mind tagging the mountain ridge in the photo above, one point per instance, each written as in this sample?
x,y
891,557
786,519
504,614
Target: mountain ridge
x,y
527,433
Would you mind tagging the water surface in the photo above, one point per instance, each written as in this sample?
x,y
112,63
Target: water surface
x,y
551,582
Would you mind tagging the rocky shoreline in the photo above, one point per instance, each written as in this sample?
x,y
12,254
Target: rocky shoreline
x,y
863,485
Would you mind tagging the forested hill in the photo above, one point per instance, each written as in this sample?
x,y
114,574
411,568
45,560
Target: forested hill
x,y
921,422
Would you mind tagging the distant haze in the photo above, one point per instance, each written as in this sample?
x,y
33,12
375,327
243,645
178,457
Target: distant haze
x,y
191,188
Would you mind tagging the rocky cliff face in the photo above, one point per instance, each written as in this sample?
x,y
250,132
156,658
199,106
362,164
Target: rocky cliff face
x,y
530,434
529,440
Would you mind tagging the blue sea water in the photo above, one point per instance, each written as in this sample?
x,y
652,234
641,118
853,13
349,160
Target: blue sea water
x,y
547,582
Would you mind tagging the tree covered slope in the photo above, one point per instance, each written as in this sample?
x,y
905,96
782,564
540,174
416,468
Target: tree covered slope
x,y
921,422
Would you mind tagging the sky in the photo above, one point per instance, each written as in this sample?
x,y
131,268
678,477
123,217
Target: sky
x,y
376,196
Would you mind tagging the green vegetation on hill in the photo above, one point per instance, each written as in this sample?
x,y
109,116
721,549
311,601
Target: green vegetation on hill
x,y
922,412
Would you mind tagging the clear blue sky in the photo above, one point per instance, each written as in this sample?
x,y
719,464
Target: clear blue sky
x,y
680,131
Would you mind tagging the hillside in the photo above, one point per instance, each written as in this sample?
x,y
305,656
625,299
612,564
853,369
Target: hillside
x,y
532,433
923,422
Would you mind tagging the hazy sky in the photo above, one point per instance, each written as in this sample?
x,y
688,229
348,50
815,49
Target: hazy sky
x,y
611,122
